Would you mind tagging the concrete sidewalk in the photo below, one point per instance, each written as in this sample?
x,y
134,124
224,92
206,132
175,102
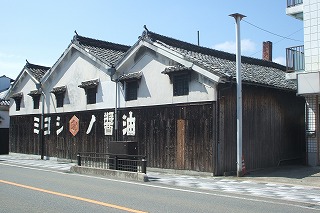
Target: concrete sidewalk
x,y
289,175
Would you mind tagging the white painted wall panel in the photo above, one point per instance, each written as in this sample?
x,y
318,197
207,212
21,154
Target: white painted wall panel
x,y
155,88
74,69
77,69
308,83
25,86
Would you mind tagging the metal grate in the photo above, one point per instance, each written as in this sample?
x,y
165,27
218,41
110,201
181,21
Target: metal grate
x,y
295,58
311,122
181,85
291,3
132,163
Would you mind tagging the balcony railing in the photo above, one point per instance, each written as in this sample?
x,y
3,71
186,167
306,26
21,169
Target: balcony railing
x,y
295,58
291,3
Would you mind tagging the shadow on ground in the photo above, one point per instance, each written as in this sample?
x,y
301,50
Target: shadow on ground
x,y
294,172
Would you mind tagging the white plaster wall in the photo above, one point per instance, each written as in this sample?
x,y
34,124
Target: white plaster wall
x,y
73,70
311,16
25,86
155,88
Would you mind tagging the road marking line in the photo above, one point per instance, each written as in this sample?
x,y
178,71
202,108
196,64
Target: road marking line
x,y
72,197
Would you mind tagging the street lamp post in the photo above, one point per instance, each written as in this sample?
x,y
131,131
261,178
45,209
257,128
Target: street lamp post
x,y
238,18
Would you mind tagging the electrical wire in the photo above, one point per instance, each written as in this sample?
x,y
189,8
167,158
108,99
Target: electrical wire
x,y
284,37
277,41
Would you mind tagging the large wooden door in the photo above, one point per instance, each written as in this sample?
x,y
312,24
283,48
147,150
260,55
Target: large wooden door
x,y
180,144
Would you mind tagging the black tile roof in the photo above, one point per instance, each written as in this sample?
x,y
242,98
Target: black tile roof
x,y
34,93
108,52
57,90
130,76
37,71
18,95
175,68
89,84
255,71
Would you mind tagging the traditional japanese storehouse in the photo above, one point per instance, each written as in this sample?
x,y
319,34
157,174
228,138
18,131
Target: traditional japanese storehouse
x,y
175,99
183,98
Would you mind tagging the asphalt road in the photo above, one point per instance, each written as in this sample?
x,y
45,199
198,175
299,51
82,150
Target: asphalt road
x,y
27,189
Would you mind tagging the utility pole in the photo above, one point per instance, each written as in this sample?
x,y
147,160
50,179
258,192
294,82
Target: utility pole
x,y
238,18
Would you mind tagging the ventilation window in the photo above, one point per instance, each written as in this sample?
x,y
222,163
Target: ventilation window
x,y
90,88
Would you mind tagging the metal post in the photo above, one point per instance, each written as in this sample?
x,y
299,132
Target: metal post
x,y
116,162
238,18
144,166
198,38
79,159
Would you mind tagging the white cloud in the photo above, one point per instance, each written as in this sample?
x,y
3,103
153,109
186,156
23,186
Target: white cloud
x,y
247,46
280,60
8,56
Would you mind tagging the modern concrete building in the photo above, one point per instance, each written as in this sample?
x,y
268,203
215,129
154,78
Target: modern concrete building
x,y
303,64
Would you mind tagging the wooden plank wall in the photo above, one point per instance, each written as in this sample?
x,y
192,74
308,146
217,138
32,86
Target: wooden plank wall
x,y
273,127
157,131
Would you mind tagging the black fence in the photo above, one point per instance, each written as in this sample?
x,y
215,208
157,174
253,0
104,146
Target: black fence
x,y
131,163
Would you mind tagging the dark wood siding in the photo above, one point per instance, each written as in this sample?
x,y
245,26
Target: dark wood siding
x,y
156,133
4,141
273,127
197,136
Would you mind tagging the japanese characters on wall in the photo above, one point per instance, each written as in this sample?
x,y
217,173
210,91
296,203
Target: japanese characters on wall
x,y
128,124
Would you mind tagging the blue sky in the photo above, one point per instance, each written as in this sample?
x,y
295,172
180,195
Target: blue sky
x,y
40,31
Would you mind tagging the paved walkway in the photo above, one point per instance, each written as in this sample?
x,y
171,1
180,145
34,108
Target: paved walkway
x,y
35,161
292,183
245,186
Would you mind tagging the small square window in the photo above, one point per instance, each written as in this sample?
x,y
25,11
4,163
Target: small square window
x,y
18,103
59,92
91,95
59,99
131,90
36,101
181,85
91,88
17,99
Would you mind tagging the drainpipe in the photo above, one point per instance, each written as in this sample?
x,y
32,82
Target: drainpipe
x,y
111,72
41,135
116,111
